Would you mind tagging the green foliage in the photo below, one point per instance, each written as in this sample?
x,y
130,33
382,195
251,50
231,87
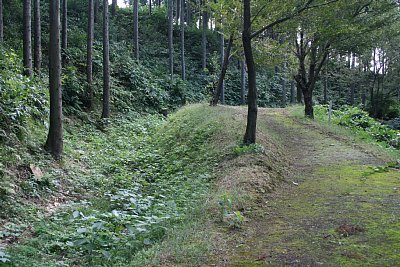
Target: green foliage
x,y
234,219
252,148
143,175
358,119
21,98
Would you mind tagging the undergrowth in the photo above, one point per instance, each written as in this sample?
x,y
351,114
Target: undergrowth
x,y
133,181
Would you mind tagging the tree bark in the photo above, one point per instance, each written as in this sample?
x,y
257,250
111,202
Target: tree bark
x,y
299,95
136,28
178,11
1,22
242,82
352,85
183,63
96,9
89,58
113,7
54,143
224,67
150,6
106,64
283,82
204,37
64,42
306,79
27,40
37,62
251,128
222,57
292,92
170,37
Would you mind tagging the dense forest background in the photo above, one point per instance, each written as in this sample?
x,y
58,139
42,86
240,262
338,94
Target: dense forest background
x,y
360,69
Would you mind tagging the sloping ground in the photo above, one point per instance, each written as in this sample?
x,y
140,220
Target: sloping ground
x,y
337,208
306,195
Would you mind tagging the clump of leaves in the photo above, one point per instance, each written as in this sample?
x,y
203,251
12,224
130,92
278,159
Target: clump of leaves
x,y
3,256
252,148
233,218
359,120
21,98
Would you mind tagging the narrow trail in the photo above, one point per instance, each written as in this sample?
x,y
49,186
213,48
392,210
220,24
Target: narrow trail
x,y
330,188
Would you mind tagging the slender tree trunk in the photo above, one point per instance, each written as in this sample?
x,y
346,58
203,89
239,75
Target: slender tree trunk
x,y
1,22
170,37
183,63
299,95
89,58
96,10
283,82
292,92
222,55
326,82
150,6
113,7
308,103
178,11
64,42
106,64
352,85
54,143
204,37
189,13
27,41
136,28
224,67
242,82
250,135
37,62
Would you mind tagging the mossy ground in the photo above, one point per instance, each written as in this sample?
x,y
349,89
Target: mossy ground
x,y
333,180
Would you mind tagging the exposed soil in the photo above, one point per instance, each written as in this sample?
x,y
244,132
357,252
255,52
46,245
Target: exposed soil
x,y
332,210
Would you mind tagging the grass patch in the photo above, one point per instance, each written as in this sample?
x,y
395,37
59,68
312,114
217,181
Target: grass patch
x,y
140,181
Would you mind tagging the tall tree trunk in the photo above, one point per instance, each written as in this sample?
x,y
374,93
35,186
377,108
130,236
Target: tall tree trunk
x,y
218,91
189,13
136,28
292,92
37,59
150,6
283,82
171,36
183,63
27,41
352,85
64,42
96,10
113,7
326,81
306,79
242,82
178,11
54,143
204,37
89,58
308,103
250,135
1,22
106,63
299,95
222,57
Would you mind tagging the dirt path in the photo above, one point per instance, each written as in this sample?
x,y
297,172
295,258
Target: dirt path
x,y
334,210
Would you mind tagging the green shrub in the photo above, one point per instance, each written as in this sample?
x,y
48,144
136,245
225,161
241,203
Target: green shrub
x,y
21,98
358,119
